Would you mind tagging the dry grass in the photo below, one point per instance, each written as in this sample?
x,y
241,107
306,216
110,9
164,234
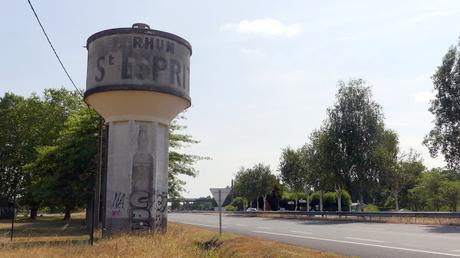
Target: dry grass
x,y
179,241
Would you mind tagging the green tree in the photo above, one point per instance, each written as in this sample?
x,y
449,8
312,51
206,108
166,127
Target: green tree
x,y
445,136
255,182
355,123
386,158
47,118
180,163
427,194
318,158
244,184
239,203
64,173
408,169
450,192
292,171
265,183
10,164
27,123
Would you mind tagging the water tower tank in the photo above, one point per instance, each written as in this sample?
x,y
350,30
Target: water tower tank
x,y
138,73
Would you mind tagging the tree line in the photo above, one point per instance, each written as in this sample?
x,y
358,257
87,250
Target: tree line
x,y
353,154
49,148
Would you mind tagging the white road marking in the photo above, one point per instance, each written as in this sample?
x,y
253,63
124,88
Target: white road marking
x,y
365,239
301,232
357,243
240,225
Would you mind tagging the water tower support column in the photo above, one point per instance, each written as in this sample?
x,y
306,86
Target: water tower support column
x,y
137,177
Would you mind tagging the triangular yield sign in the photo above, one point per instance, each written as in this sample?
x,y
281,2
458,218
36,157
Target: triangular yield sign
x,y
223,194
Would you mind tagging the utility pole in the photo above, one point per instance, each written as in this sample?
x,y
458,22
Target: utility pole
x,y
231,192
104,178
97,201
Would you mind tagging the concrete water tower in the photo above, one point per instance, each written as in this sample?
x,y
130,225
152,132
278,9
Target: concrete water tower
x,y
138,80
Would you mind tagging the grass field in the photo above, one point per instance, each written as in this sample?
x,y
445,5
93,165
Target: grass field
x,y
44,229
52,237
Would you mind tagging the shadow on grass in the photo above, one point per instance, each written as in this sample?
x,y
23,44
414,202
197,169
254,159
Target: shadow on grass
x,y
43,243
44,227
318,219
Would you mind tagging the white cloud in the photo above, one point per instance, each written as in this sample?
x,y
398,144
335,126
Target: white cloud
x,y
400,22
424,96
421,17
267,27
253,52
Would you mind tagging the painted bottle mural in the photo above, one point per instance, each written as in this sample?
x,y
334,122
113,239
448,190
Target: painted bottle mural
x,y
142,180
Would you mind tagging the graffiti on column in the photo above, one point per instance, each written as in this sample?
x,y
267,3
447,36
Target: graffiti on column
x,y
118,203
142,177
161,202
140,214
118,200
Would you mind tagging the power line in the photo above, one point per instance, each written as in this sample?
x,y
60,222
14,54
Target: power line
x,y
57,56
54,50
78,90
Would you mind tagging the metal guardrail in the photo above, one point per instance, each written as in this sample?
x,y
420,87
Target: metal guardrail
x,y
364,214
414,214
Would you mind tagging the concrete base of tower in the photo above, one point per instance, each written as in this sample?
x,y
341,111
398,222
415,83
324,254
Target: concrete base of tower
x,y
137,177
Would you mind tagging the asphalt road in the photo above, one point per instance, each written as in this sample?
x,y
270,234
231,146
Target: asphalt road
x,y
347,238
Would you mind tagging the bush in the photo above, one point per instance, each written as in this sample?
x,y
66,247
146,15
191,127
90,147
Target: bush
x,y
291,196
238,203
330,201
371,208
390,202
230,208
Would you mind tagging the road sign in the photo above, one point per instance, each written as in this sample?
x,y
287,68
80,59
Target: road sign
x,y
223,194
219,195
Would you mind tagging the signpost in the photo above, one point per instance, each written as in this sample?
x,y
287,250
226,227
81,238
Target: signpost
x,y
12,219
93,218
220,194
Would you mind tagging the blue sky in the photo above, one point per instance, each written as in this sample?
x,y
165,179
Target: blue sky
x,y
262,72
